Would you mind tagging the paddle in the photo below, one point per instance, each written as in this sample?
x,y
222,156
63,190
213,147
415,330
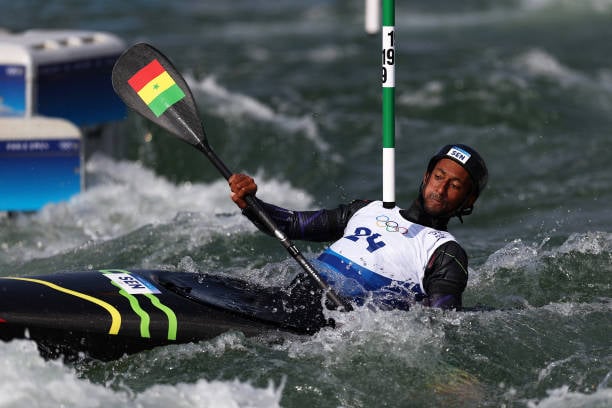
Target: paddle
x,y
149,84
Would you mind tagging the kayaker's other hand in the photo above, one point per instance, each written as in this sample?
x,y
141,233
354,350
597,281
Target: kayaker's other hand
x,y
241,186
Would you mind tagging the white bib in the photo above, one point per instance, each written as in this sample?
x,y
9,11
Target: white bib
x,y
380,248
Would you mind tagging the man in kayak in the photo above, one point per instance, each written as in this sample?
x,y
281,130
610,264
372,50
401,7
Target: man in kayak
x,y
391,257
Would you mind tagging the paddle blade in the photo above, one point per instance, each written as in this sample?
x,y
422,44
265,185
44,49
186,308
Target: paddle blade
x,y
149,84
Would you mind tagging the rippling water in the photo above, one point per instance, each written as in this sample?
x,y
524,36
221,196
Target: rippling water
x,y
289,91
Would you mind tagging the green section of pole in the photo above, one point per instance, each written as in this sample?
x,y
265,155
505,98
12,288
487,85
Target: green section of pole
x,y
389,12
388,113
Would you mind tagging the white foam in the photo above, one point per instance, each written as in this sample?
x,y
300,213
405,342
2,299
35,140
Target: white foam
x,y
428,96
330,53
527,66
519,253
420,20
592,5
237,105
595,242
512,256
571,309
376,331
127,197
496,13
541,63
564,398
26,380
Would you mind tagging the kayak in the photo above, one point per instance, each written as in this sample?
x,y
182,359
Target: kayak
x,y
106,314
109,313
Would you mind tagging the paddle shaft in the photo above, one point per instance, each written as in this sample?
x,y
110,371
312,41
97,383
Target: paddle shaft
x,y
272,227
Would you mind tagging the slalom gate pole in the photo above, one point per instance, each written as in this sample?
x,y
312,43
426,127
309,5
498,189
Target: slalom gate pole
x,y
388,102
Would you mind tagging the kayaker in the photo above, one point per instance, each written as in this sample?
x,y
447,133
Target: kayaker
x,y
394,257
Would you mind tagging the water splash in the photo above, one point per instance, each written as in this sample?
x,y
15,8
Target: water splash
x,y
28,380
237,105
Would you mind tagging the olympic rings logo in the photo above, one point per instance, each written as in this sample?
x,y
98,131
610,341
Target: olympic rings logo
x,y
383,221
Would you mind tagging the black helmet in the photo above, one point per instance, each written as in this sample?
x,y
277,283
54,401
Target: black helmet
x,y
470,160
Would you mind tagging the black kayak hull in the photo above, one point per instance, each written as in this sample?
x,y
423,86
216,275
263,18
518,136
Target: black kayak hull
x,y
108,313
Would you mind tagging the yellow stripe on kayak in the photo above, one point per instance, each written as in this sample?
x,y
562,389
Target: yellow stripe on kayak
x,y
115,315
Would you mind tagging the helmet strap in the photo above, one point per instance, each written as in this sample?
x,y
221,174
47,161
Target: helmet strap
x,y
464,210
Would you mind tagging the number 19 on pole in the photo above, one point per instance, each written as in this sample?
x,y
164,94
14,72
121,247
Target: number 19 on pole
x,y
388,57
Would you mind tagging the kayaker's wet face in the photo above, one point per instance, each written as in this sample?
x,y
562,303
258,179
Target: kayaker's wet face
x,y
446,188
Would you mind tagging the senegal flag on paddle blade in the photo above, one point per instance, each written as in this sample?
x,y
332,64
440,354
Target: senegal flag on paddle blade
x,y
156,87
